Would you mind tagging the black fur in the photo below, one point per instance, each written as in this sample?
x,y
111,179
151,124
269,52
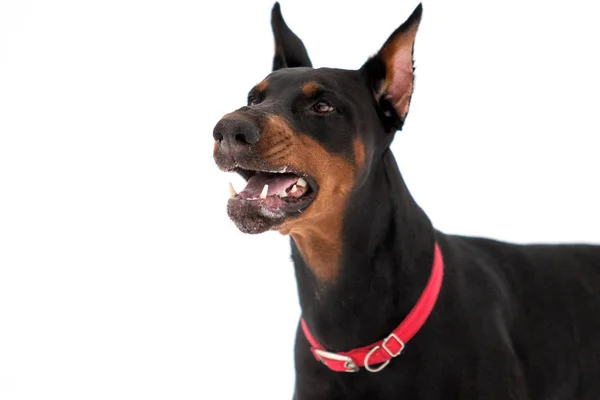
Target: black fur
x,y
289,49
518,322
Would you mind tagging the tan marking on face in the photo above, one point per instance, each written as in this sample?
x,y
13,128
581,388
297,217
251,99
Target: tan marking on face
x,y
359,153
317,231
262,86
276,140
310,88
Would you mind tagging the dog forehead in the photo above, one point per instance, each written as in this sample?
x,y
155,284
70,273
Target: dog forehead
x,y
295,79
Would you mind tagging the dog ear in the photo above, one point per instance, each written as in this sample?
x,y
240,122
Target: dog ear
x,y
390,73
289,49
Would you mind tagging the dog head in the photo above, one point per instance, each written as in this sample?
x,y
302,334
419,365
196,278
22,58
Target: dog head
x,y
307,136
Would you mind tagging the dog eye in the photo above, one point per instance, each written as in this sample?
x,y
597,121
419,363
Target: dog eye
x,y
323,107
252,101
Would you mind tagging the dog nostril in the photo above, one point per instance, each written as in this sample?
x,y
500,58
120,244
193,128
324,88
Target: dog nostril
x,y
235,132
240,137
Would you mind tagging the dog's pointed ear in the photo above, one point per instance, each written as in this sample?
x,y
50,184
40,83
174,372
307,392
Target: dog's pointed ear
x,y
289,49
390,73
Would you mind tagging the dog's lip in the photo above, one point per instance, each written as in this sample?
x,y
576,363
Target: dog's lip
x,y
246,173
290,204
246,170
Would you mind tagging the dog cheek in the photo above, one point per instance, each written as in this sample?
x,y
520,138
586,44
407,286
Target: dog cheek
x,y
359,154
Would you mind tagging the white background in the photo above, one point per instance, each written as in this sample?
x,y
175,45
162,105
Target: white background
x,y
121,276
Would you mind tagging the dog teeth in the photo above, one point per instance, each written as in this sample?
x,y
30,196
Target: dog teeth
x,y
263,194
282,194
232,192
301,182
294,189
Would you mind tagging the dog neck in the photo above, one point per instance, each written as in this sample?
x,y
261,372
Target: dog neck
x,y
386,257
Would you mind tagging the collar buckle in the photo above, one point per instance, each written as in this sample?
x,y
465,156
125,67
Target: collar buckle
x,y
384,345
349,364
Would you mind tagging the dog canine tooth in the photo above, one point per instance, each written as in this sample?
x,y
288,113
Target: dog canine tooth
x,y
301,182
232,192
263,194
293,189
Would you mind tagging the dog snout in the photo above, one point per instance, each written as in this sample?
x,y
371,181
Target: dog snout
x,y
235,135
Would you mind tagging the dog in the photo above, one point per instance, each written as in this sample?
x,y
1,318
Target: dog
x,y
391,307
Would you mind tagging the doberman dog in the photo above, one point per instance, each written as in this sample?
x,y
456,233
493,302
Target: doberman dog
x,y
391,307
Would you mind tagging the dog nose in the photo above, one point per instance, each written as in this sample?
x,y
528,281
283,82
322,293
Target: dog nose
x,y
235,134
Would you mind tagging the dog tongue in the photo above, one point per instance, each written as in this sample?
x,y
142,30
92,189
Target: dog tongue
x,y
278,183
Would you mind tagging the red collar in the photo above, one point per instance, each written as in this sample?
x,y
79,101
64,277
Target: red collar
x,y
383,351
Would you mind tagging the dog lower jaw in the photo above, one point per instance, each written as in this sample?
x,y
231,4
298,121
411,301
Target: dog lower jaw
x,y
251,216
255,216
255,213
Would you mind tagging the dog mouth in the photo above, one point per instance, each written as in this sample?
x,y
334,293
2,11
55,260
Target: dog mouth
x,y
269,198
